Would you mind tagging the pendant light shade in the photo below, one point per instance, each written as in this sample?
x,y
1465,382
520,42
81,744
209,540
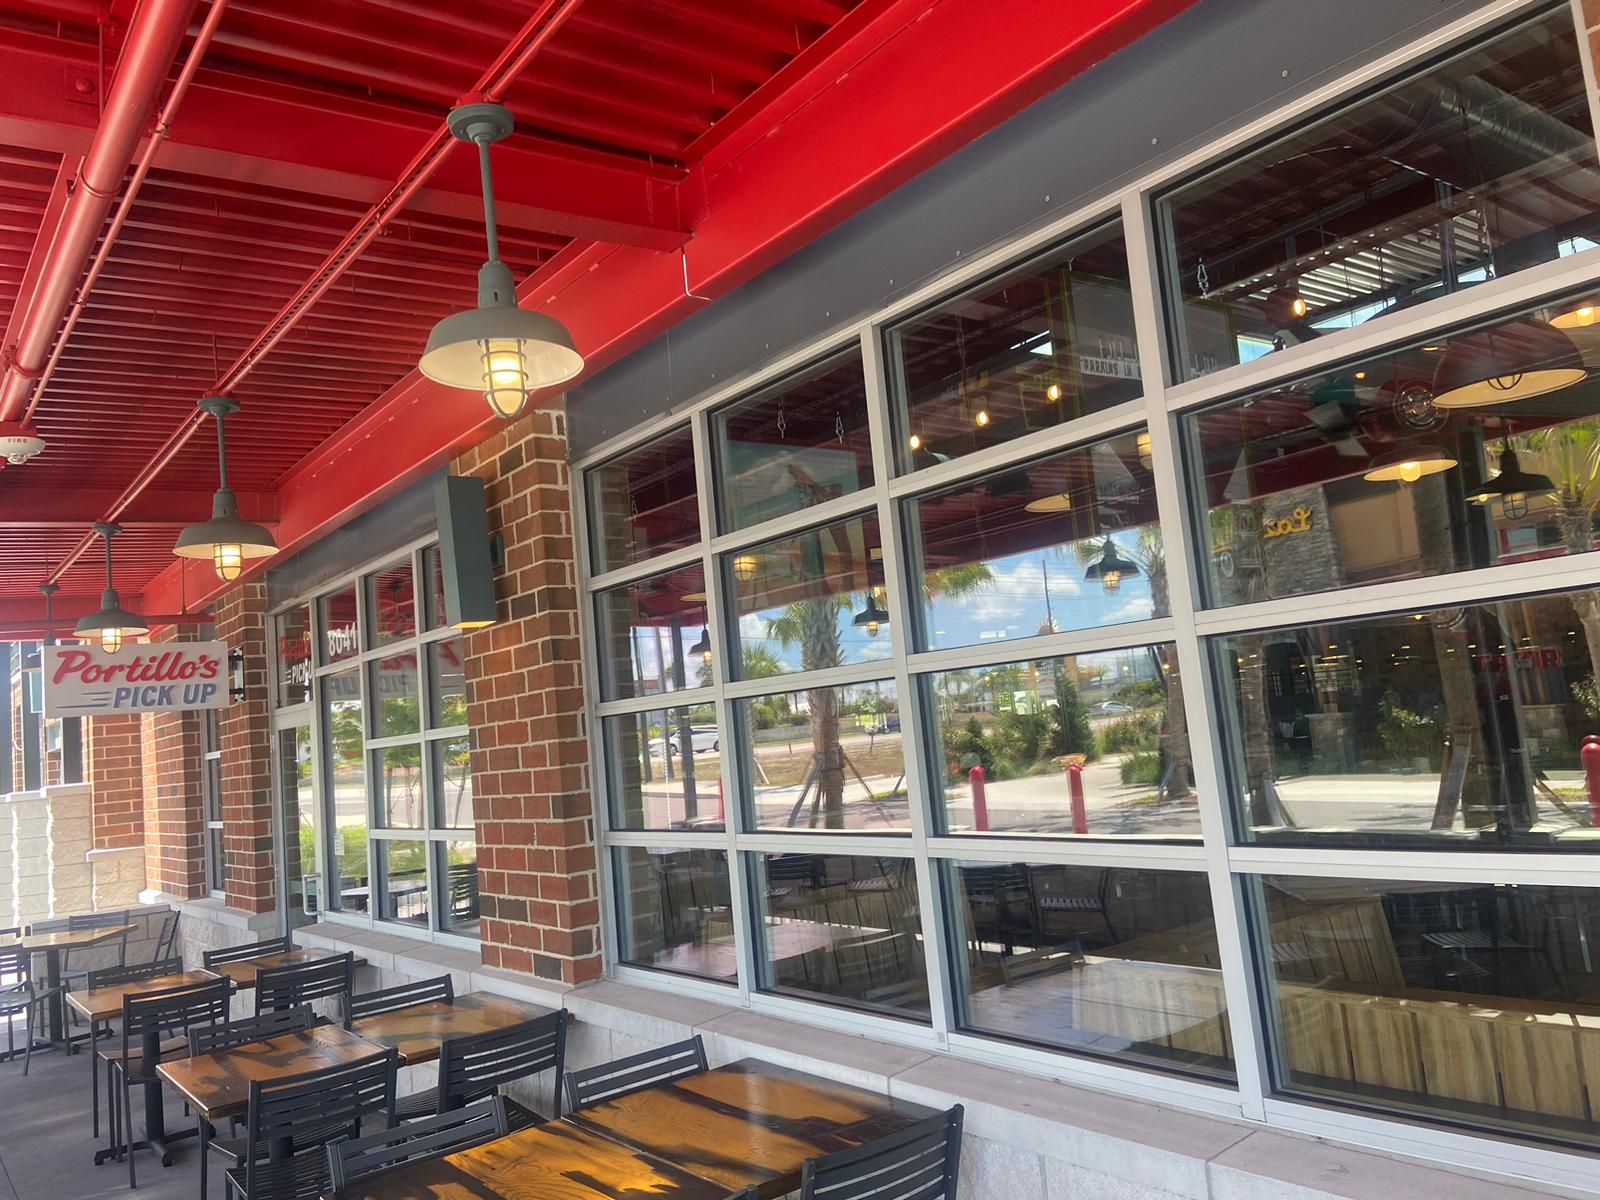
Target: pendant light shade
x,y
1408,464
1512,485
113,624
226,539
499,349
1506,364
1581,317
1111,568
872,617
703,646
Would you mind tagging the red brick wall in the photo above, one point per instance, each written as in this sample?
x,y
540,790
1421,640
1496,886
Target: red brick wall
x,y
244,733
530,773
114,751
174,816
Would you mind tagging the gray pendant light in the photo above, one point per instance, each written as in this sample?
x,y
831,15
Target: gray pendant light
x,y
502,350
113,623
226,539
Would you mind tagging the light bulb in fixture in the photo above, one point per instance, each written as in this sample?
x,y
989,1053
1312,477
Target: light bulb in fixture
x,y
1053,392
1142,441
745,567
982,417
1299,307
111,639
227,558
915,442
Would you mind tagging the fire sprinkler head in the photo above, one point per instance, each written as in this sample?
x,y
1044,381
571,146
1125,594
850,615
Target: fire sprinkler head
x,y
19,442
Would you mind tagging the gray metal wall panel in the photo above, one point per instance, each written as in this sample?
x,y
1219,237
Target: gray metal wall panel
x,y
1214,68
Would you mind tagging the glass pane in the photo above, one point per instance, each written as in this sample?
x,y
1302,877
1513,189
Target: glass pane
x,y
1446,728
644,503
811,601
392,600
664,769
1068,542
826,758
1092,744
452,782
399,786
297,817
293,636
1443,456
1434,185
448,680
1103,960
346,773
674,911
394,687
340,632
800,443
1043,345
653,635
403,890
1472,1002
461,887
433,574
842,929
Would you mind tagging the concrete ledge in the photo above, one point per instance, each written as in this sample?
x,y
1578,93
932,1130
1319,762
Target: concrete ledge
x,y
217,912
114,852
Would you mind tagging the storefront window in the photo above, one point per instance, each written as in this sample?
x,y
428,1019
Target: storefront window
x,y
1067,542
433,578
447,701
644,503
1093,744
665,769
345,757
392,600
1040,346
458,867
799,444
293,640
403,882
394,693
337,615
451,762
826,758
675,911
397,773
655,635
1436,184
1098,960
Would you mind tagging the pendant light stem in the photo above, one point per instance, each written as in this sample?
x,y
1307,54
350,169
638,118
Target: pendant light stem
x,y
491,227
222,455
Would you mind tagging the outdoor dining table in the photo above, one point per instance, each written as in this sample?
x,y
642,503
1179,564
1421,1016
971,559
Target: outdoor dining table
x,y
242,972
419,1032
99,1005
51,945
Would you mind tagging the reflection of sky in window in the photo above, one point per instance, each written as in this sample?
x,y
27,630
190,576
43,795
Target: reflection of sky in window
x,y
654,661
856,645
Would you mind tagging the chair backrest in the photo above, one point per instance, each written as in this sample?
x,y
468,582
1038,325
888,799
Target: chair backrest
x,y
168,937
921,1162
440,990
228,954
171,1010
301,983
624,1076
430,1137
225,1035
305,1111
14,963
49,925
475,1066
98,920
112,976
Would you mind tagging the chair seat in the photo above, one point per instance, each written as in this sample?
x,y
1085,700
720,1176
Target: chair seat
x,y
168,1048
418,1104
303,1177
19,996
315,1137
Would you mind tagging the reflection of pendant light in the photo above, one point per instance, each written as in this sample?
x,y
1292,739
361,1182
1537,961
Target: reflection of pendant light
x,y
1406,465
872,617
1142,441
1506,364
499,349
703,646
225,539
1110,568
1512,484
1055,503
745,567
1582,317
112,623
982,418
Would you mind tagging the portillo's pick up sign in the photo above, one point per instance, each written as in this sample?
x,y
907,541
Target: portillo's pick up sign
x,y
85,681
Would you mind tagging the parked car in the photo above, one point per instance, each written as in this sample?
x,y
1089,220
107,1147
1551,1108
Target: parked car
x,y
704,739
888,724
1112,708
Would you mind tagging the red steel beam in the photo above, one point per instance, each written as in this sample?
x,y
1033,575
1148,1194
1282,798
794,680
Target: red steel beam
x,y
914,82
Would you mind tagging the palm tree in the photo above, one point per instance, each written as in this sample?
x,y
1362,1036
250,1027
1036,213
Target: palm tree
x,y
1570,455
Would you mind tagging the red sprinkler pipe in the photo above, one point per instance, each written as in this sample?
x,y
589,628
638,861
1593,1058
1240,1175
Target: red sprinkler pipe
x,y
153,41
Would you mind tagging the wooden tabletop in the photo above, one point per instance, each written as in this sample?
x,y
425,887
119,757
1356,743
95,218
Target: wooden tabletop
x,y
555,1161
71,939
243,972
218,1085
104,1003
748,1122
418,1032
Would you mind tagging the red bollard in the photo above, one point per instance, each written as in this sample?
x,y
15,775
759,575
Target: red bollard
x,y
1080,816
1589,755
980,802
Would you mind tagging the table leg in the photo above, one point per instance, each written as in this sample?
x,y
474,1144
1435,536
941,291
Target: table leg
x,y
52,975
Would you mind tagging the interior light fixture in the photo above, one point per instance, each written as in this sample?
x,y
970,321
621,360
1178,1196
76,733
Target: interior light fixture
x,y
1512,485
1111,568
1142,441
1581,317
112,624
1053,392
982,417
225,539
703,646
872,617
1506,364
1408,464
502,350
1054,503
745,567
1299,307
915,442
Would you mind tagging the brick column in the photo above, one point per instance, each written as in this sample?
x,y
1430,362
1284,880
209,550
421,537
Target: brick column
x,y
174,813
113,766
244,733
530,773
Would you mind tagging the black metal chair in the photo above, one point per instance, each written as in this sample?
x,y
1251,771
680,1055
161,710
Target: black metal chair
x,y
431,1137
167,938
921,1162
439,990
150,1023
290,1121
115,977
301,983
475,1066
226,1035
90,921
231,954
625,1076
21,997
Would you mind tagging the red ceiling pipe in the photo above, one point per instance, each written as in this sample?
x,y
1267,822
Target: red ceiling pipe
x,y
153,42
